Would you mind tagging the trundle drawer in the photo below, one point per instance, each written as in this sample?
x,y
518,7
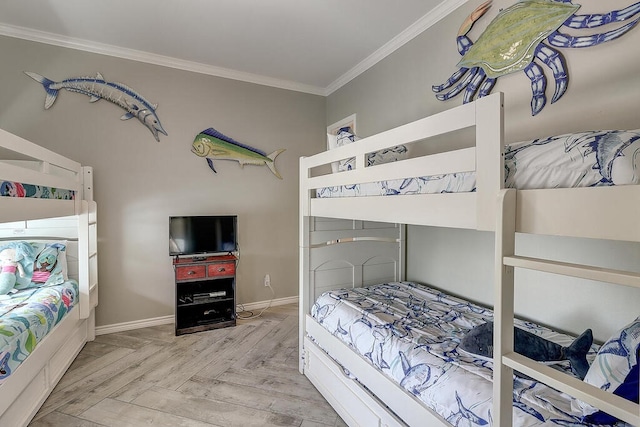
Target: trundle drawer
x,y
348,397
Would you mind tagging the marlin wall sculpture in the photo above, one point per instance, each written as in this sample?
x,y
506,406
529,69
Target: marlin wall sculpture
x,y
97,88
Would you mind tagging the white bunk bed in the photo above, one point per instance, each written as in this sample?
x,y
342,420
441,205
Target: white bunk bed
x,y
73,220
373,253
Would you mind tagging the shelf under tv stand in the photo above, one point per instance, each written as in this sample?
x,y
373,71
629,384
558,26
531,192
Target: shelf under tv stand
x,y
205,293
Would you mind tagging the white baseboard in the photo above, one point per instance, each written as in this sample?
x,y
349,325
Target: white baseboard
x,y
262,304
165,320
136,324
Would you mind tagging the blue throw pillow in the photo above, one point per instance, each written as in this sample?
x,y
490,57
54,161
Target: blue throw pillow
x,y
615,369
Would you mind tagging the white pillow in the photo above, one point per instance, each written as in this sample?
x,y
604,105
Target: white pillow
x,y
332,142
345,136
615,369
582,159
387,155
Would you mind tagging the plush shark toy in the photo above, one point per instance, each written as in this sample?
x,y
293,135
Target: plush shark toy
x,y
479,342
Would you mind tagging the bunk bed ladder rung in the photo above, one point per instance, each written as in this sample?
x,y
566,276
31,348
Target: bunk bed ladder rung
x,y
618,277
505,359
608,402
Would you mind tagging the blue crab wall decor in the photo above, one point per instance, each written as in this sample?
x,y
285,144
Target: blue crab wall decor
x,y
527,30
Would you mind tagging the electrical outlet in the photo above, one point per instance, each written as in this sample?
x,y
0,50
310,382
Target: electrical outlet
x,y
267,280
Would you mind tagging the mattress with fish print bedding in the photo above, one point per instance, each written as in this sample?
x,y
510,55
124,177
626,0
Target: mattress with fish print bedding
x,y
411,332
27,316
20,189
586,159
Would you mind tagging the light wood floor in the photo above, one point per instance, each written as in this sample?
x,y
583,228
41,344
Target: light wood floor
x,y
246,375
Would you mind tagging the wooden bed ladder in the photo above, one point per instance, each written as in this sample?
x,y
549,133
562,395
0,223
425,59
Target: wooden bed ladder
x,y
505,359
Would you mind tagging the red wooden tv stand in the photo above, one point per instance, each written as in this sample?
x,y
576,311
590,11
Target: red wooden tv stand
x,y
205,293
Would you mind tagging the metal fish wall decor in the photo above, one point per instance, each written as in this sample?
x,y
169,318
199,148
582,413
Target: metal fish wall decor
x,y
523,37
212,144
97,88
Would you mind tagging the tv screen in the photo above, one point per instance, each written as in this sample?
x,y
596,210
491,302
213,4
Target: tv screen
x,y
190,235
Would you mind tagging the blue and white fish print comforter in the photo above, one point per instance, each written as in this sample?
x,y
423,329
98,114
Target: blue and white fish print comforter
x,y
585,159
411,333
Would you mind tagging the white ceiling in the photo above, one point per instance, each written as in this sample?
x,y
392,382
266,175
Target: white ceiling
x,y
312,46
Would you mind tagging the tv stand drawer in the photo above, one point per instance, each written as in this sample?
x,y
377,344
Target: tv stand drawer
x,y
190,272
226,269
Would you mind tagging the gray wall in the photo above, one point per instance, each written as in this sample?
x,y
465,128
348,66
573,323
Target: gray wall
x,y
139,182
603,93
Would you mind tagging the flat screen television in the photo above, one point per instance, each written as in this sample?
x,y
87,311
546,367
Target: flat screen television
x,y
197,235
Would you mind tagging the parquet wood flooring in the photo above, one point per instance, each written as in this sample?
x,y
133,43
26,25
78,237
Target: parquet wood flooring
x,y
245,375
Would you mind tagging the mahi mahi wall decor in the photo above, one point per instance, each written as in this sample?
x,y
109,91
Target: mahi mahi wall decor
x,y
212,144
526,31
97,88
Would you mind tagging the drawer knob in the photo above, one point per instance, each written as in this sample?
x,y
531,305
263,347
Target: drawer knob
x,y
221,269
191,272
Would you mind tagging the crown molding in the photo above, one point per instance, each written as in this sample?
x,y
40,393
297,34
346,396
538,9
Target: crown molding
x,y
417,28
150,58
421,25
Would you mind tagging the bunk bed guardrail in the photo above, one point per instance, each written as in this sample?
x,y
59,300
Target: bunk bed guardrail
x,y
463,210
28,163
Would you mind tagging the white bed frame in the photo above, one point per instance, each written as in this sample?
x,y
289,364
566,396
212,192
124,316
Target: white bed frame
x,y
26,389
325,264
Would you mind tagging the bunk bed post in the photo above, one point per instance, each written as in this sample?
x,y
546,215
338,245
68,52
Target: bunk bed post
x,y
489,157
83,259
503,308
304,283
86,213
87,183
87,250
401,268
303,279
